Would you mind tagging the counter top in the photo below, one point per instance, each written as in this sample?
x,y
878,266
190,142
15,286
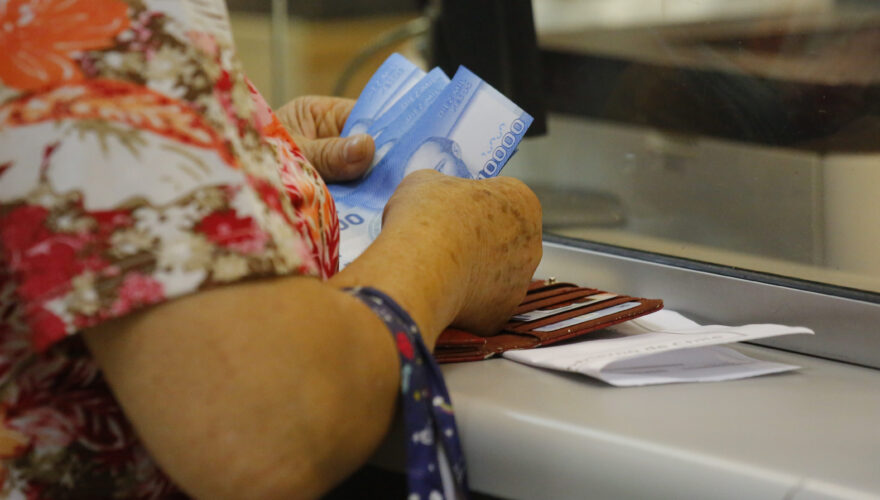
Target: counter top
x,y
537,434
811,434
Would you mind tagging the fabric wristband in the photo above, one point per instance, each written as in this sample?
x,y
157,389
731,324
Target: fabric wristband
x,y
435,462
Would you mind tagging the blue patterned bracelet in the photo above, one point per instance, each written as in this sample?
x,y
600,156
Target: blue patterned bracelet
x,y
435,462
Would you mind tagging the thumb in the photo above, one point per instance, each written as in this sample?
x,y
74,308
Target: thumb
x,y
338,158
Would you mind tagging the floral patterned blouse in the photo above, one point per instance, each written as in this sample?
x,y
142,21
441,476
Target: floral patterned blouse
x,y
137,164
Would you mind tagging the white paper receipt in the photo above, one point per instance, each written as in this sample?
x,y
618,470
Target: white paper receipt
x,y
659,348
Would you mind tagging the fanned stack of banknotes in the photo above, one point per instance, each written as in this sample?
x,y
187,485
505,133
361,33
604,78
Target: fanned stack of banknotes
x,y
461,127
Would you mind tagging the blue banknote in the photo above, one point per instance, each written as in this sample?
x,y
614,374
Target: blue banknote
x,y
392,124
399,119
388,84
469,130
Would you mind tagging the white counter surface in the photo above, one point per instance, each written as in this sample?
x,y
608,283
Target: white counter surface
x,y
536,434
810,434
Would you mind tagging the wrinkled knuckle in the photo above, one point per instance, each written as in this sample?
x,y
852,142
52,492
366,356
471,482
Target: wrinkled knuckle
x,y
326,159
300,105
287,114
314,103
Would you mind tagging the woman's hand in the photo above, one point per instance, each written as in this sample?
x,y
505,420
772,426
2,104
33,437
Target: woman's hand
x,y
315,123
470,248
495,225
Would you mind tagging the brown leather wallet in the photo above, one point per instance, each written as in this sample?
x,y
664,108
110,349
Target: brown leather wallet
x,y
550,313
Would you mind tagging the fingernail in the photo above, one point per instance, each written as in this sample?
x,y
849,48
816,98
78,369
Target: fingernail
x,y
354,149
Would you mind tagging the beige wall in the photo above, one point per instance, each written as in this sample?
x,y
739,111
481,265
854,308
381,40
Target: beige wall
x,y
318,51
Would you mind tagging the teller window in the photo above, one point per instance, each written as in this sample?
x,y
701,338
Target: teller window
x,y
744,135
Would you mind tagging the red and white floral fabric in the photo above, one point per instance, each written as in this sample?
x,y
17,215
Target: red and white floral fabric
x,y
137,164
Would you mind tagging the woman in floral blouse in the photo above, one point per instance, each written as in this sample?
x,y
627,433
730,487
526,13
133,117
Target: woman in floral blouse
x,y
138,165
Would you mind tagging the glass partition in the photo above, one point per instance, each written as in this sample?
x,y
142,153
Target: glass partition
x,y
744,134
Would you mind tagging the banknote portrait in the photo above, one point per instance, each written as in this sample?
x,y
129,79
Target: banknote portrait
x,y
440,154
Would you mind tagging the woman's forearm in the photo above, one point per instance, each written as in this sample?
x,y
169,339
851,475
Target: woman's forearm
x,y
277,388
280,388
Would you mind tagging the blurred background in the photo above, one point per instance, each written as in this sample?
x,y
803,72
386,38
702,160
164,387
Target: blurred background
x,y
743,134
322,38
